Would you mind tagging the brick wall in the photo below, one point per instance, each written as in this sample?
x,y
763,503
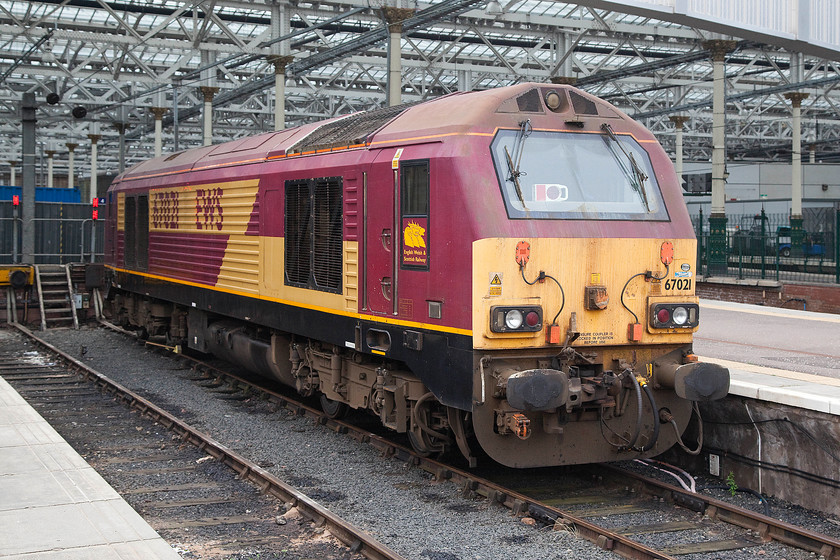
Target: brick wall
x,y
822,298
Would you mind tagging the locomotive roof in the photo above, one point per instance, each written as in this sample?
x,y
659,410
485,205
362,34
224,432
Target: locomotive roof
x,y
453,113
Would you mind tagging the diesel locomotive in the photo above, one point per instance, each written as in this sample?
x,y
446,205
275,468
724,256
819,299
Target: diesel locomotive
x,y
510,269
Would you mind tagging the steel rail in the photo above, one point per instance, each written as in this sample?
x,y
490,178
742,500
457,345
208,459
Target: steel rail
x,y
520,504
355,538
767,528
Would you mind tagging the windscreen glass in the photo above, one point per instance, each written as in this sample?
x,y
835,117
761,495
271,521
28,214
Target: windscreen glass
x,y
585,176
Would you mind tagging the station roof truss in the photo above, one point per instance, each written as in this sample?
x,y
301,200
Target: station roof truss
x,y
119,59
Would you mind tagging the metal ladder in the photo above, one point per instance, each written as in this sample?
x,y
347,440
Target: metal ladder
x,y
55,296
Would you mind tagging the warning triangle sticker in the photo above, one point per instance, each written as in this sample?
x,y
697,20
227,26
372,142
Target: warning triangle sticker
x,y
496,281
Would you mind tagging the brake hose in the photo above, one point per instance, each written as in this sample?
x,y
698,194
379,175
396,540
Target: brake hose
x,y
630,444
652,442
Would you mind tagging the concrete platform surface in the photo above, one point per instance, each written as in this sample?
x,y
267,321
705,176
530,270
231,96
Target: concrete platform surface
x,y
785,356
787,339
53,505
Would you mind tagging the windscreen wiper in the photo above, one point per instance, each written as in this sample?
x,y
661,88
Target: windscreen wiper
x,y
637,177
524,131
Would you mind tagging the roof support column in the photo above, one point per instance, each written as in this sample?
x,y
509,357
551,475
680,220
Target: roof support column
x,y
563,60
92,190
121,128
50,154
71,147
280,62
208,92
12,172
158,112
465,80
395,17
796,237
679,121
717,252
27,203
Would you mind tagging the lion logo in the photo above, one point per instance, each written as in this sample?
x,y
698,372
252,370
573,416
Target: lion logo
x,y
415,235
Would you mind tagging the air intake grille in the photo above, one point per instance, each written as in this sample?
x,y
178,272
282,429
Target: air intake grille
x,y
350,130
314,231
298,233
582,105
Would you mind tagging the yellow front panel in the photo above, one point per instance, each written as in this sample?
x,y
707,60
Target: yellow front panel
x,y
577,263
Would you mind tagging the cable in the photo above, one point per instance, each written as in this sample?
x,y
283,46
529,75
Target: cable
x,y
541,276
787,420
624,289
649,463
696,410
775,467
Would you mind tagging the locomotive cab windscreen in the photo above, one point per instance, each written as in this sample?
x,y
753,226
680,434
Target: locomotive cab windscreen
x,y
568,175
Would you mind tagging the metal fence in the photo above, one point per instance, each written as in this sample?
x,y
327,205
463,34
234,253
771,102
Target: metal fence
x,y
759,246
64,233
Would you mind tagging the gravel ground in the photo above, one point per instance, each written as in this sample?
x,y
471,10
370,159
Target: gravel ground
x,y
399,505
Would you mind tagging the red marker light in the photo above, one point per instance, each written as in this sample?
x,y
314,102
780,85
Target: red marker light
x,y
15,200
95,202
95,214
532,319
663,316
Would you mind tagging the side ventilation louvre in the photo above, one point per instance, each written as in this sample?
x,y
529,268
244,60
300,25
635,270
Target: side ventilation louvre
x,y
314,234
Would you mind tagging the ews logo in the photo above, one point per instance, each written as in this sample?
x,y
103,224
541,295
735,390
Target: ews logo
x,y
165,210
208,208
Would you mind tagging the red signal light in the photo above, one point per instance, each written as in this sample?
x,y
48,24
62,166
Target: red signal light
x,y
95,214
15,200
95,202
663,315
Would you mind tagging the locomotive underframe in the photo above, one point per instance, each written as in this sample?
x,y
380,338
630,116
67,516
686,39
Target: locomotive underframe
x,y
344,378
589,418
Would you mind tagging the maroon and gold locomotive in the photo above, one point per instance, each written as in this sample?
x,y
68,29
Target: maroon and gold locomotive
x,y
512,267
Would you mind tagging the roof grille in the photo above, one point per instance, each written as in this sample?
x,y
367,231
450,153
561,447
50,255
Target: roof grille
x,y
351,130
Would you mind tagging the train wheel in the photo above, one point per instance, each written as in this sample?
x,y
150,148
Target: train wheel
x,y
425,440
334,409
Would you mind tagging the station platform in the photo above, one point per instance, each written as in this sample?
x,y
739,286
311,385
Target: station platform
x,y
785,356
55,506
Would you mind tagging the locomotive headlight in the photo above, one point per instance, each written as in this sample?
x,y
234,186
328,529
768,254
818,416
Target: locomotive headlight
x,y
519,318
513,319
680,315
674,315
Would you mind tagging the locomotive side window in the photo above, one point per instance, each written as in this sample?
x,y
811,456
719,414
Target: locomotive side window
x,y
314,231
414,214
583,176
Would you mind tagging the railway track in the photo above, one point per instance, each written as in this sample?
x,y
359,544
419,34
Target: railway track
x,y
598,517
163,467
